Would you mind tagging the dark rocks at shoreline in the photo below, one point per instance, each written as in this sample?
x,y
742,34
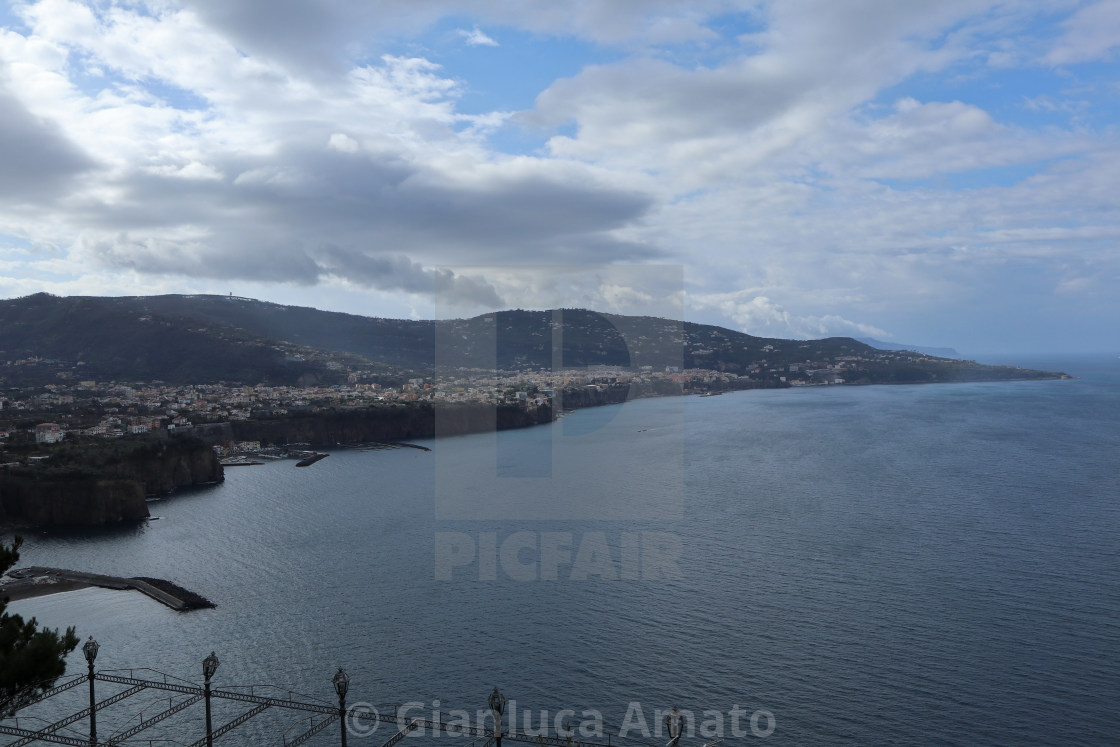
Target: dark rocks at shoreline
x,y
35,581
191,600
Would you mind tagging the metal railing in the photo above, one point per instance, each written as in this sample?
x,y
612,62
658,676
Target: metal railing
x,y
323,715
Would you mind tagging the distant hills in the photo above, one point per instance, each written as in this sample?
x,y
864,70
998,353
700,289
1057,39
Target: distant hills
x,y
880,345
125,339
508,340
207,339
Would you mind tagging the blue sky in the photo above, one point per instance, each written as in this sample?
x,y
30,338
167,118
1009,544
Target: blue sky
x,y
932,173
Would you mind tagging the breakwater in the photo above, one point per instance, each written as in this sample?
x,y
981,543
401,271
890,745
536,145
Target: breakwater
x,y
37,580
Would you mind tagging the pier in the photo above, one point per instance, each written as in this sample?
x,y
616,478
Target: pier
x,y
38,580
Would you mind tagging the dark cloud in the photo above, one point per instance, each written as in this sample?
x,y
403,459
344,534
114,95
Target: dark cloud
x,y
306,212
412,204
667,103
37,161
278,28
400,273
291,263
263,259
318,34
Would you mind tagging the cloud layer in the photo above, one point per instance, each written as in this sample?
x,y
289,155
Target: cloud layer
x,y
873,168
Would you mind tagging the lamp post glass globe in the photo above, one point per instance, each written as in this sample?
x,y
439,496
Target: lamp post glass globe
x,y
90,650
674,723
341,682
497,702
209,666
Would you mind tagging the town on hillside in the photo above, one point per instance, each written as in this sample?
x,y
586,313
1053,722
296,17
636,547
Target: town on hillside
x,y
51,413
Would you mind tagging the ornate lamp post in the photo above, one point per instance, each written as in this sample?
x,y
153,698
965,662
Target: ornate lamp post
x,y
497,703
90,652
341,685
674,724
209,666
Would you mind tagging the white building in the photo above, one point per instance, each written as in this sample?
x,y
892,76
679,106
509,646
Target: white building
x,y
48,433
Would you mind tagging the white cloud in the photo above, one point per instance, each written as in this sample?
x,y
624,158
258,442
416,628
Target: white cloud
x,y
759,316
193,170
816,62
342,142
794,173
640,290
620,298
1092,33
312,32
402,174
476,38
919,140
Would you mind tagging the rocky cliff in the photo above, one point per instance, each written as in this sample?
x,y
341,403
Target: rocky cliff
x,y
102,483
29,502
387,423
171,464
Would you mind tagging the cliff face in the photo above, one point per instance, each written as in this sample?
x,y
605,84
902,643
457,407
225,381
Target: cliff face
x,y
30,502
388,423
88,487
176,463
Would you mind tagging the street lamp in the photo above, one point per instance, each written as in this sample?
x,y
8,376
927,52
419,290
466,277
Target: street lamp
x,y
497,703
209,666
674,724
341,685
90,652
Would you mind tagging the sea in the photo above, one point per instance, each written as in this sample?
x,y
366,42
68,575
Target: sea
x,y
863,565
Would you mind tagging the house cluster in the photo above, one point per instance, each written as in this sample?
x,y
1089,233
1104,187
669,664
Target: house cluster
x,y
90,408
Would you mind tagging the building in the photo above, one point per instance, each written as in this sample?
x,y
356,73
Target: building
x,y
48,433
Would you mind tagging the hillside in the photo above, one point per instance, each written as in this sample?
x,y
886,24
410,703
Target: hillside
x,y
928,350
202,339
508,340
401,343
44,338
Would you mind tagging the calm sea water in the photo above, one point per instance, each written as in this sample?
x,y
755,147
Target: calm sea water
x,y
878,565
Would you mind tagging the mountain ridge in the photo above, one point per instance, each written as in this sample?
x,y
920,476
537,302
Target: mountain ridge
x,y
210,338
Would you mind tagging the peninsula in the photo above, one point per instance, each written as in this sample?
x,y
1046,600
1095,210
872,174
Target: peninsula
x,y
106,401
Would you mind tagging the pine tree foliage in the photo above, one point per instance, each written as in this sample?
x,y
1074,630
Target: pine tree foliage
x,y
31,659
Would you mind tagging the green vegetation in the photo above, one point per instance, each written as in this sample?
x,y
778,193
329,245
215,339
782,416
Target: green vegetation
x,y
51,338
934,370
118,458
31,659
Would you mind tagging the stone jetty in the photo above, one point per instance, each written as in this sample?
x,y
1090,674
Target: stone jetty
x,y
37,580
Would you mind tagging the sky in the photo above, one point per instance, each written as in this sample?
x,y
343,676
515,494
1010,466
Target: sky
x,y
935,173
